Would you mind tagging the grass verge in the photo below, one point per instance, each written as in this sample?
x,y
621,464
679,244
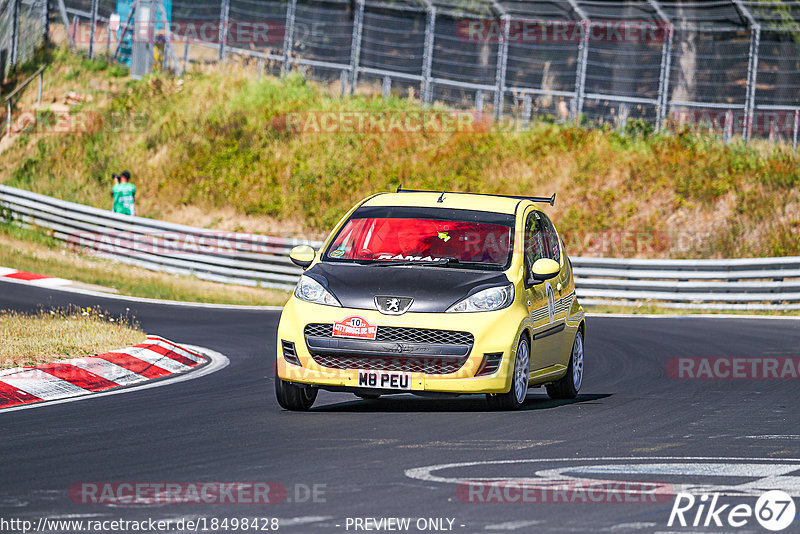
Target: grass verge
x,y
34,251
30,340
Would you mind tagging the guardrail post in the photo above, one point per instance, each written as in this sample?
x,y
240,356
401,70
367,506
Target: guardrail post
x,y
355,46
386,87
502,63
8,118
795,129
224,15
41,83
92,28
15,33
288,37
526,110
479,101
727,131
427,55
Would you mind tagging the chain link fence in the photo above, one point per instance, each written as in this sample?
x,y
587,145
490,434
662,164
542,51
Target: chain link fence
x,y
23,26
726,66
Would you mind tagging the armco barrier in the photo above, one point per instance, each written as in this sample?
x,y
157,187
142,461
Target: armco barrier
x,y
743,284
258,260
228,257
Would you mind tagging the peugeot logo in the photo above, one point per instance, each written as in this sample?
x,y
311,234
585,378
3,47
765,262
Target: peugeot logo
x,y
392,305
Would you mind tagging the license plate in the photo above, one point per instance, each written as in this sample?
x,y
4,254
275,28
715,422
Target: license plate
x,y
384,379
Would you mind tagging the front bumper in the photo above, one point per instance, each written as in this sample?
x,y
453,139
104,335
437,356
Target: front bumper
x,y
493,332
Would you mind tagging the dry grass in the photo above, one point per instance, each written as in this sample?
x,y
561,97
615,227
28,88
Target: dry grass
x,y
30,340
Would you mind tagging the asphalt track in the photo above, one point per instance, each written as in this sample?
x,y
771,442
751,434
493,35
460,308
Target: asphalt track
x,y
228,427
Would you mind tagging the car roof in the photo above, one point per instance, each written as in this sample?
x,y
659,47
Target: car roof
x,y
465,201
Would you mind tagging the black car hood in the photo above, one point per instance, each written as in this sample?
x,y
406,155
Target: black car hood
x,y
434,289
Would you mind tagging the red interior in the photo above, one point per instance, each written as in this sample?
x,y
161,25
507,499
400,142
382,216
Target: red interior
x,y
383,239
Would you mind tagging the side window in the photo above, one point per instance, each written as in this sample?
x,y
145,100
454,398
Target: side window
x,y
551,239
535,243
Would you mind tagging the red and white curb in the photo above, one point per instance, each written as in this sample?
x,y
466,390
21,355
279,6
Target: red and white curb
x,y
33,278
155,358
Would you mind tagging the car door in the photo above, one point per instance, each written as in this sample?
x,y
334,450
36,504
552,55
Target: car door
x,y
547,316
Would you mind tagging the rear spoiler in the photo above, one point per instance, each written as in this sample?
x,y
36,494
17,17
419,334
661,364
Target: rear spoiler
x,y
547,200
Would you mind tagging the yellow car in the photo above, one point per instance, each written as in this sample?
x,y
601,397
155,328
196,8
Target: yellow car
x,y
422,292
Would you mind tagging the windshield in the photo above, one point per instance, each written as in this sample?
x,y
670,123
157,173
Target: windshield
x,y
455,238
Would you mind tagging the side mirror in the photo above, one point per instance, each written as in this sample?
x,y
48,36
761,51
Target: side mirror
x,y
544,269
302,256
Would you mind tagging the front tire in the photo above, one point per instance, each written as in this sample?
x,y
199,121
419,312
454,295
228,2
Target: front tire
x,y
294,398
515,398
570,384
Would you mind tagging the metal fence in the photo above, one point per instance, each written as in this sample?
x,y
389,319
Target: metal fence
x,y
257,260
23,25
728,66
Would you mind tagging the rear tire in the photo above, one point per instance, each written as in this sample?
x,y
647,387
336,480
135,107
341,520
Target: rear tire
x,y
570,384
515,398
294,398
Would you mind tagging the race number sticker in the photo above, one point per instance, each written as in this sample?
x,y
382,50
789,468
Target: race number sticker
x,y
551,301
355,327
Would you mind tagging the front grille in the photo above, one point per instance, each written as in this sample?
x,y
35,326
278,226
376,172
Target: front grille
x,y
410,364
402,334
429,366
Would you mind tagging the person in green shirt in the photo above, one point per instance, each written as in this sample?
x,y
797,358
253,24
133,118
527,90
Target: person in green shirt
x,y
124,194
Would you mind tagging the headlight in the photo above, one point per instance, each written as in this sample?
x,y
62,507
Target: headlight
x,y
310,290
494,298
